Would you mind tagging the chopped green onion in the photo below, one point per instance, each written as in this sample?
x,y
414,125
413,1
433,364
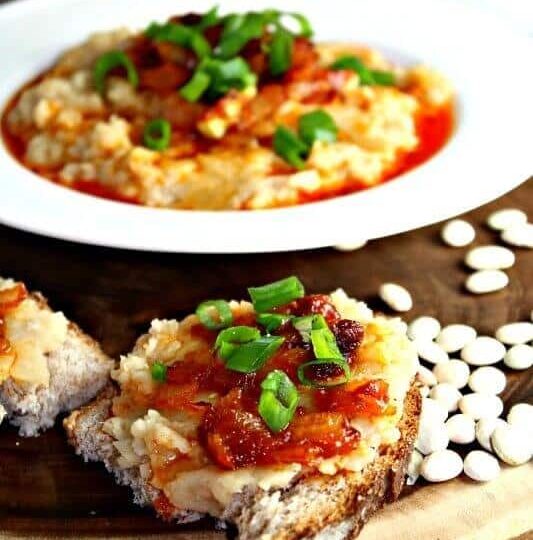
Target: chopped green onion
x,y
110,61
319,322
215,78
238,30
314,126
223,311
317,126
229,339
252,356
305,324
280,53
209,19
232,23
272,321
181,35
196,86
157,133
289,147
278,400
199,45
237,334
276,294
234,73
325,344
306,30
159,372
271,17
366,76
324,361
174,32
351,63
226,349
383,78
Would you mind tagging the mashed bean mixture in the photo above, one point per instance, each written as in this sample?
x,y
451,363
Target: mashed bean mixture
x,y
221,153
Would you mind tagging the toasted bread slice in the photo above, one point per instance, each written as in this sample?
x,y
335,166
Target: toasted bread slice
x,y
192,434
50,366
315,506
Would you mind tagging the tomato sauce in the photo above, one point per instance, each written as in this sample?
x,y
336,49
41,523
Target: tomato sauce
x,y
434,127
231,430
95,188
9,299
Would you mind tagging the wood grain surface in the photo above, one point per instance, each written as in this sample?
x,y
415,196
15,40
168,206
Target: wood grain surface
x,y
46,491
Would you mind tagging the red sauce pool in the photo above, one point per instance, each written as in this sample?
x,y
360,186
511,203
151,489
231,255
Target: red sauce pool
x,y
433,126
96,189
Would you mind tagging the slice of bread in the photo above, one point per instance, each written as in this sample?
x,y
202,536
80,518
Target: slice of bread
x,y
76,370
314,506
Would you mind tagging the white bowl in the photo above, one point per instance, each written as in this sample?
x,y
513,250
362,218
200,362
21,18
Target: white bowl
x,y
489,153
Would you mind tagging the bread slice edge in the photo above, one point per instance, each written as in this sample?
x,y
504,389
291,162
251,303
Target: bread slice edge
x,y
79,369
317,506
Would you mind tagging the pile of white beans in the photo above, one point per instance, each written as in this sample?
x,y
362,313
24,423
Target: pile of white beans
x,y
461,403
489,262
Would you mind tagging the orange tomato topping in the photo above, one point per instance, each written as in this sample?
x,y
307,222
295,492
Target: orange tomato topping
x,y
232,432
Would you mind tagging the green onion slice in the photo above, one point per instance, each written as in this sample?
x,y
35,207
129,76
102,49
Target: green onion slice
x,y
307,323
209,19
324,361
295,23
238,30
317,126
276,294
193,90
226,349
181,35
222,310
214,78
280,52
289,147
272,321
225,75
325,344
383,78
367,76
306,30
236,335
351,63
355,64
252,356
157,134
159,372
110,61
278,400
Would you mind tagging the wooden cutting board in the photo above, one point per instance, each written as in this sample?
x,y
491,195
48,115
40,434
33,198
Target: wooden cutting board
x,y
47,492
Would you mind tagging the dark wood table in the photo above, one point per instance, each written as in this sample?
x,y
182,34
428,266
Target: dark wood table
x,y
113,295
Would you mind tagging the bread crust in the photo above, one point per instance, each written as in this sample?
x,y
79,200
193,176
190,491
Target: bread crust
x,y
315,502
78,371
314,506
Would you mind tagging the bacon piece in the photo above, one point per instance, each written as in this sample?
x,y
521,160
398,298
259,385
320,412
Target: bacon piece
x,y
319,304
164,78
